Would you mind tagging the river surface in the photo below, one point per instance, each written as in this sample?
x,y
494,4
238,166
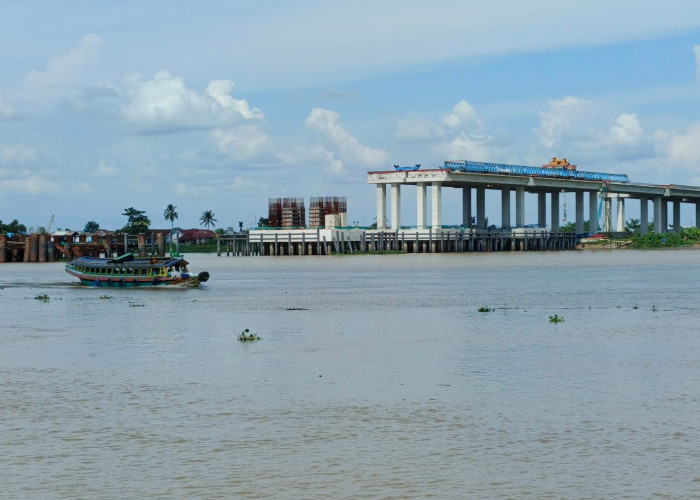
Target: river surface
x,y
376,377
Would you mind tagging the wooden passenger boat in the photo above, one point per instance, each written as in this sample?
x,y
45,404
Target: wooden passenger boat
x,y
127,271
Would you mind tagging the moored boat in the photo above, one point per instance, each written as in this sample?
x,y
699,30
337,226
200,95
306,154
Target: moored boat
x,y
126,271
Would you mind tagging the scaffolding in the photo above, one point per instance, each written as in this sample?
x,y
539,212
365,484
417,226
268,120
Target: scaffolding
x,y
287,212
321,206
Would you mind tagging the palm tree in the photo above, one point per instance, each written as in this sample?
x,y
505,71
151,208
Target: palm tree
x,y
207,219
170,213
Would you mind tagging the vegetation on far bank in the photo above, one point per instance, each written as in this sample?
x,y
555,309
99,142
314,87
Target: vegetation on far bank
x,y
687,236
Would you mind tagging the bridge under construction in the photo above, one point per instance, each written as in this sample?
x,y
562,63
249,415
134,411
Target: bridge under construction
x,y
474,178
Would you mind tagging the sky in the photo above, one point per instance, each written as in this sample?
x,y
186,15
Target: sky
x,y
221,105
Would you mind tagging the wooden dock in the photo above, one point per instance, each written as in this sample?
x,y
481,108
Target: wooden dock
x,y
48,248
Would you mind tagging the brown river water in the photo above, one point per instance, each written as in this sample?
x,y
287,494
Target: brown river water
x,y
376,377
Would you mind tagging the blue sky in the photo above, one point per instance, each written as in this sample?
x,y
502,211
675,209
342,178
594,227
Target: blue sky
x,y
219,105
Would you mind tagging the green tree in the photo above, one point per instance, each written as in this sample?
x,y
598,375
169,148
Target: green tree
x,y
633,226
207,219
91,226
170,213
570,227
137,221
13,227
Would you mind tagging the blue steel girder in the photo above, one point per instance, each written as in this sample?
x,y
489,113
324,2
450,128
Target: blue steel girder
x,y
505,169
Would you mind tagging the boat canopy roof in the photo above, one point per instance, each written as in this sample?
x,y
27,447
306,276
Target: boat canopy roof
x,y
130,260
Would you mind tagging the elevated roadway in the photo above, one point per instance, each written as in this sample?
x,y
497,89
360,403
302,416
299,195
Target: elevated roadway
x,y
546,188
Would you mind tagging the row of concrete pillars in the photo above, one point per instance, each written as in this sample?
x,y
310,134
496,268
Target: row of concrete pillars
x,y
47,248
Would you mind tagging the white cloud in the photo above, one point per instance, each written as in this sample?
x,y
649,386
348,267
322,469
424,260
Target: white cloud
x,y
560,119
29,185
65,67
417,128
17,155
342,146
627,131
221,90
6,112
466,147
696,49
681,148
106,170
590,131
463,113
242,143
165,103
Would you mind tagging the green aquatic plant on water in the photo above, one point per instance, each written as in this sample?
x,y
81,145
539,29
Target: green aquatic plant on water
x,y
556,318
43,298
485,309
246,336
105,297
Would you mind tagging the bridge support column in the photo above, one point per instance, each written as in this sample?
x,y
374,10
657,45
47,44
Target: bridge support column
x,y
542,209
396,206
467,207
480,207
620,214
381,206
579,212
697,214
607,215
643,215
555,211
658,215
676,216
593,211
664,216
519,206
505,208
421,195
437,205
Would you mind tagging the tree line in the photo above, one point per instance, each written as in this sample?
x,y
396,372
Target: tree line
x,y
137,221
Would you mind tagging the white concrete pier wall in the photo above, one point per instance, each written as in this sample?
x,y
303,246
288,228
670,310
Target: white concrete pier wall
x,y
437,204
505,208
421,205
395,206
555,210
381,206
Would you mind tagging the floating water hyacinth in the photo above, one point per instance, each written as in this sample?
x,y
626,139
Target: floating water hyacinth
x,y
246,336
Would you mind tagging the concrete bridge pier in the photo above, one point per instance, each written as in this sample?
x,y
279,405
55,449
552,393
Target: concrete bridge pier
x,y
520,206
396,206
579,212
664,216
437,205
542,209
658,226
420,205
505,208
480,207
593,210
644,215
467,207
555,211
381,206
620,214
676,216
